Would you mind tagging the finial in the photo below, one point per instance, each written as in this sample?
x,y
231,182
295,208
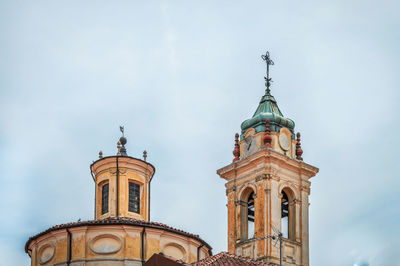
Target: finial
x,y
123,141
236,151
267,137
100,154
144,155
299,151
269,62
119,148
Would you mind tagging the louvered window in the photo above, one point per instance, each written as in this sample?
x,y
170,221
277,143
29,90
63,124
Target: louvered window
x,y
134,197
104,199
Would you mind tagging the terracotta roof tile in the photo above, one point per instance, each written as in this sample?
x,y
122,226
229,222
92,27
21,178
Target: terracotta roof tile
x,y
117,221
228,259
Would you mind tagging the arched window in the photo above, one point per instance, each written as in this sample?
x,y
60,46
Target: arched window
x,y
288,218
250,216
134,197
104,198
247,214
285,215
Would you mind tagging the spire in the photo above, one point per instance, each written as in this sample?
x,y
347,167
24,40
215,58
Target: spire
x,y
267,109
268,80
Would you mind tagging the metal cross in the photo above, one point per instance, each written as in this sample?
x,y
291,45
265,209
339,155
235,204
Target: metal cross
x,y
269,62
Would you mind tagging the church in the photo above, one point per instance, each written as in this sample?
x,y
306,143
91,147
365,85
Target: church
x,y
267,190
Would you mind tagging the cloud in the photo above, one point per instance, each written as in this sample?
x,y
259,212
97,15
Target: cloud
x,y
182,77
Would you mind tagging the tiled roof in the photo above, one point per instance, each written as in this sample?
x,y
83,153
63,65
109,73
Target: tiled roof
x,y
118,221
165,260
225,259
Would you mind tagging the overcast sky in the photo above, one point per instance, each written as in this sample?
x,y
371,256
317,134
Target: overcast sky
x,y
181,76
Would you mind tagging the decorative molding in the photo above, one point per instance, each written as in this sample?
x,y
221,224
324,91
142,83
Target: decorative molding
x,y
245,186
291,186
267,176
44,258
296,201
176,246
229,190
106,248
305,189
240,203
264,159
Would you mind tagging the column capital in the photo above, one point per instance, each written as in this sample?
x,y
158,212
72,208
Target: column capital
x,y
230,190
240,203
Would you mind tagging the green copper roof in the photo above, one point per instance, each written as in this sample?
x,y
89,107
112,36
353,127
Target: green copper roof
x,y
267,109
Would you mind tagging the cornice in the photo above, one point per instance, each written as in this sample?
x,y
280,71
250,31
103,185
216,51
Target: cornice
x,y
124,162
268,156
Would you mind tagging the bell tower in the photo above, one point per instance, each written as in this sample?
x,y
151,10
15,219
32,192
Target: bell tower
x,y
267,187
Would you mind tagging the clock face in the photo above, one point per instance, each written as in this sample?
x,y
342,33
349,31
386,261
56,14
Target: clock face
x,y
250,146
284,142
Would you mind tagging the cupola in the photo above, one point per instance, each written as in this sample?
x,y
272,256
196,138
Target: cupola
x,y
122,184
268,109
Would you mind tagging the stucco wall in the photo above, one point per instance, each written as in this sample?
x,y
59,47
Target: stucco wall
x,y
112,245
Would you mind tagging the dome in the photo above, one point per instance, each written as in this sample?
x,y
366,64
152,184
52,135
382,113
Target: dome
x,y
268,109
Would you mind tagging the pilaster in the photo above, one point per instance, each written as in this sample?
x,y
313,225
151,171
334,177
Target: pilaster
x,y
304,231
275,213
231,221
259,227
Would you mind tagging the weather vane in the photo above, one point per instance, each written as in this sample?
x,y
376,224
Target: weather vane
x,y
121,128
269,62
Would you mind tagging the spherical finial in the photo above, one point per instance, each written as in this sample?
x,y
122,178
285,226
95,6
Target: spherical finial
x,y
123,140
100,154
144,155
267,137
299,151
236,150
119,148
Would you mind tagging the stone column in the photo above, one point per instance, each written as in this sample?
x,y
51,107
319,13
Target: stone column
x,y
241,220
297,204
292,220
